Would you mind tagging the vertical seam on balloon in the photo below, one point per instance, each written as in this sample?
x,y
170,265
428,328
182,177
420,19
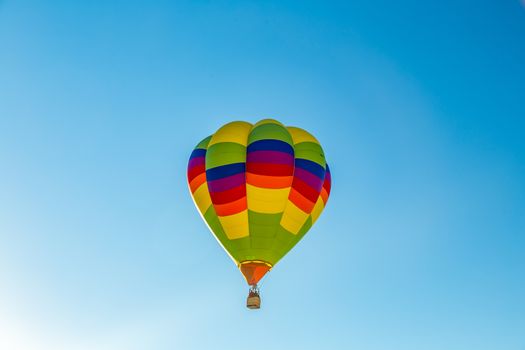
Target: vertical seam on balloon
x,y
293,177
278,224
320,196
246,183
309,217
289,189
287,197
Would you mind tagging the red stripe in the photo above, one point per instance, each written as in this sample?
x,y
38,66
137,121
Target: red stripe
x,y
269,169
195,171
301,202
228,196
327,185
324,196
307,191
197,182
231,208
273,157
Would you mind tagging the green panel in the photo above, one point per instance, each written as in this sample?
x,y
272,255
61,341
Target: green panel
x,y
204,143
263,225
237,245
225,153
215,225
262,242
231,246
270,131
306,227
310,151
283,237
264,219
263,229
285,240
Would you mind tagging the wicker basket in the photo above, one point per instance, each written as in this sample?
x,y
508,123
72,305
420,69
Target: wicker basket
x,y
253,301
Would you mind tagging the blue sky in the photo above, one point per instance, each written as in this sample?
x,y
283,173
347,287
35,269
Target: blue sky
x,y
420,107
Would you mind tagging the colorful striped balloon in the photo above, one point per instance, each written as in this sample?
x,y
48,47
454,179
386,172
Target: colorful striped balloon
x,y
259,188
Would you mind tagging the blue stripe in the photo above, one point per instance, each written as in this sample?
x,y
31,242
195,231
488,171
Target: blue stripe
x,y
198,152
270,145
310,166
225,171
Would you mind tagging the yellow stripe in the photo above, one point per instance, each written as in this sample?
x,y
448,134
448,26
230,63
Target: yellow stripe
x,y
232,132
300,135
202,198
255,261
293,218
236,225
318,209
265,200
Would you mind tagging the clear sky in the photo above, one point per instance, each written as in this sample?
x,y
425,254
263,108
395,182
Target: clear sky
x,y
420,107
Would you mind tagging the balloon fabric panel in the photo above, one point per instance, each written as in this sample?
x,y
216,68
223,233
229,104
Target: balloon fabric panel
x,y
225,159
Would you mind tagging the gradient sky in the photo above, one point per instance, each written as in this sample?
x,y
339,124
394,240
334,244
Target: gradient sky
x,y
420,107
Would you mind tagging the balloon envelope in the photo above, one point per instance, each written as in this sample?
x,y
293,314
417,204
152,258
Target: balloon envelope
x,y
259,188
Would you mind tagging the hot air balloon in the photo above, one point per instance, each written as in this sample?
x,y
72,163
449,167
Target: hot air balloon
x,y
259,188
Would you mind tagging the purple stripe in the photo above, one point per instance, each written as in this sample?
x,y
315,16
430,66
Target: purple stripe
x,y
311,179
196,161
226,183
272,157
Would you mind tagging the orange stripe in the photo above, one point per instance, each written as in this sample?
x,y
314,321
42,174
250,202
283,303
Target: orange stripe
x,y
197,181
231,208
301,202
324,195
263,181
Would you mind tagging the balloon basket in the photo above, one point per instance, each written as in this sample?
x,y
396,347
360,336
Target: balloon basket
x,y
254,299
